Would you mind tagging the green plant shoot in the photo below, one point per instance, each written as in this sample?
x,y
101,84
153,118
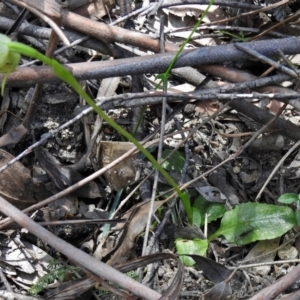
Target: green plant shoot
x,y
56,271
9,61
164,80
164,77
239,38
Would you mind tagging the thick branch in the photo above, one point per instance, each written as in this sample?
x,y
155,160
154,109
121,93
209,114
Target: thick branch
x,y
44,33
154,63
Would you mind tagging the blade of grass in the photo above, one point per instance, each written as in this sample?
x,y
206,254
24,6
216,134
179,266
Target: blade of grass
x,y
164,79
165,75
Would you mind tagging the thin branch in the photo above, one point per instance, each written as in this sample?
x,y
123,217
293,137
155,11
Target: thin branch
x,y
81,258
276,168
267,60
44,33
168,3
45,18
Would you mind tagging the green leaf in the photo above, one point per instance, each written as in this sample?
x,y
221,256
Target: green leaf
x,y
195,246
174,162
288,198
197,218
159,76
202,207
297,215
238,38
250,222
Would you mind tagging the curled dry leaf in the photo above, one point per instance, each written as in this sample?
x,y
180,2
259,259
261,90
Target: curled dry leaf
x,y
16,184
64,177
263,251
71,290
48,7
13,136
218,274
137,217
208,107
212,270
220,291
123,174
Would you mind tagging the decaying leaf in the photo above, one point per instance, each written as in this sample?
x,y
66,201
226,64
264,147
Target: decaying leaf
x,y
48,7
29,261
53,168
211,194
92,8
137,217
16,184
72,4
214,271
108,86
71,290
220,291
64,177
218,274
258,255
13,136
123,174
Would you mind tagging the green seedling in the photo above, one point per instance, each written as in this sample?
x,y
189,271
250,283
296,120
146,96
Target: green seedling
x,y
164,77
164,80
245,224
9,60
57,271
238,38
289,198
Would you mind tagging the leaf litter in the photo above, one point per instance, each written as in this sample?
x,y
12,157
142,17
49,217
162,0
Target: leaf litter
x,y
222,202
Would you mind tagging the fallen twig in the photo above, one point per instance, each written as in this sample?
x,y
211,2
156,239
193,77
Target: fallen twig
x,y
153,63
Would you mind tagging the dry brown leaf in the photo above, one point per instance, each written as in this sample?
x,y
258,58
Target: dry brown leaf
x,y
137,217
258,255
208,107
91,8
220,291
72,4
13,136
16,184
274,106
108,86
123,174
48,7
64,177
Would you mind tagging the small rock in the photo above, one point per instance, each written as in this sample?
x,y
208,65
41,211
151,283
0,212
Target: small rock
x,y
288,252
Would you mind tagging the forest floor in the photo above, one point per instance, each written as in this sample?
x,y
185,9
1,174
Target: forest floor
x,y
211,90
